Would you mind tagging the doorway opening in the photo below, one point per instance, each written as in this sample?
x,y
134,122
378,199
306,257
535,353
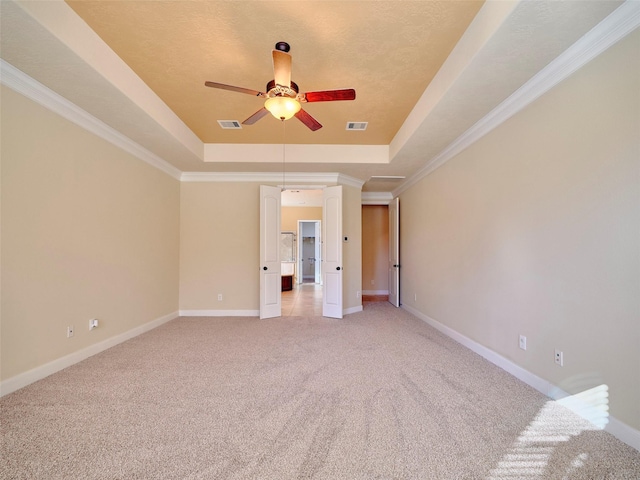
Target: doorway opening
x,y
329,249
309,252
301,214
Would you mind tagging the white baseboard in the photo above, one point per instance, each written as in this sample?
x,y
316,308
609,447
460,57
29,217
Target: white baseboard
x,y
23,379
375,292
243,313
219,313
348,311
615,427
623,432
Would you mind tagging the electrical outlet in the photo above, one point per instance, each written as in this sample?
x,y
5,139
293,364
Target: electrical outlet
x,y
219,297
70,331
559,358
523,342
373,282
415,297
358,294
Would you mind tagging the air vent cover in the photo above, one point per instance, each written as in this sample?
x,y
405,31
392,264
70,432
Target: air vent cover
x,y
230,124
357,125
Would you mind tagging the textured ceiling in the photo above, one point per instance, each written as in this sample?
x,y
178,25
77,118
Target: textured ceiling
x,y
387,51
425,72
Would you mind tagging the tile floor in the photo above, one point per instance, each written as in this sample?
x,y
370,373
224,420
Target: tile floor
x,y
306,299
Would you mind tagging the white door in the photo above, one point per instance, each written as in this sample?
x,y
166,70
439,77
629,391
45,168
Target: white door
x,y
318,255
332,252
270,272
394,252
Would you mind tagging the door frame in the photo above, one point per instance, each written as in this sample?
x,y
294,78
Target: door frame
x,y
394,252
318,252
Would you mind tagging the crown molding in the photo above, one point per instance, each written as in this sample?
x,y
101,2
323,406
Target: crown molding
x,y
25,85
376,198
621,22
273,177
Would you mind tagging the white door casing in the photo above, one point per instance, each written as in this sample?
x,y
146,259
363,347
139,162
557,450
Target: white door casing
x,y
270,270
318,254
394,252
299,262
332,252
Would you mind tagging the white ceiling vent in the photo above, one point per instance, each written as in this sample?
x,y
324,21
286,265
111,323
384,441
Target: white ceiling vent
x,y
357,125
230,124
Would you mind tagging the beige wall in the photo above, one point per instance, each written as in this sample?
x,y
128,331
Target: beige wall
x,y
219,246
291,216
534,230
88,231
375,248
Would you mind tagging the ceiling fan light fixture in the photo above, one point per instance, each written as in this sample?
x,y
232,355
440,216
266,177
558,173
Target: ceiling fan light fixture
x,y
283,108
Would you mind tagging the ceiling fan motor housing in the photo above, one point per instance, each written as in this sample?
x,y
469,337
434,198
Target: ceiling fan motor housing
x,y
281,90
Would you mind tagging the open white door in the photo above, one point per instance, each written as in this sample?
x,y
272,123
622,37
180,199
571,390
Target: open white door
x,y
270,271
394,252
332,252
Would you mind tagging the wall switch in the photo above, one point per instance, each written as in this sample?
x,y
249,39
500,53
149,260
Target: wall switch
x,y
523,342
219,297
70,331
93,323
559,358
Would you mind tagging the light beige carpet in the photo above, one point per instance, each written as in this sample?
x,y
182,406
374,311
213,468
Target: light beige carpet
x,y
377,395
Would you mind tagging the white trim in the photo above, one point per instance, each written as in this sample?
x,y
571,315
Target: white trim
x,y
219,313
623,432
34,90
375,292
349,181
376,198
621,22
23,379
272,177
348,311
615,427
243,313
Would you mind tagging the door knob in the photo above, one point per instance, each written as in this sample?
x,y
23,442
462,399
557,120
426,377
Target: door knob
x,y
337,268
265,268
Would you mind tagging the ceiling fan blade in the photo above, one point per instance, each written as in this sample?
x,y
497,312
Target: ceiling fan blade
x,y
222,86
256,116
282,68
308,120
329,95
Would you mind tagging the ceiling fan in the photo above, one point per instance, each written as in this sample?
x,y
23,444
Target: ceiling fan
x,y
282,96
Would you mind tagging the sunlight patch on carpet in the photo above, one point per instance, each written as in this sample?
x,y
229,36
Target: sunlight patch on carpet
x,y
557,422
